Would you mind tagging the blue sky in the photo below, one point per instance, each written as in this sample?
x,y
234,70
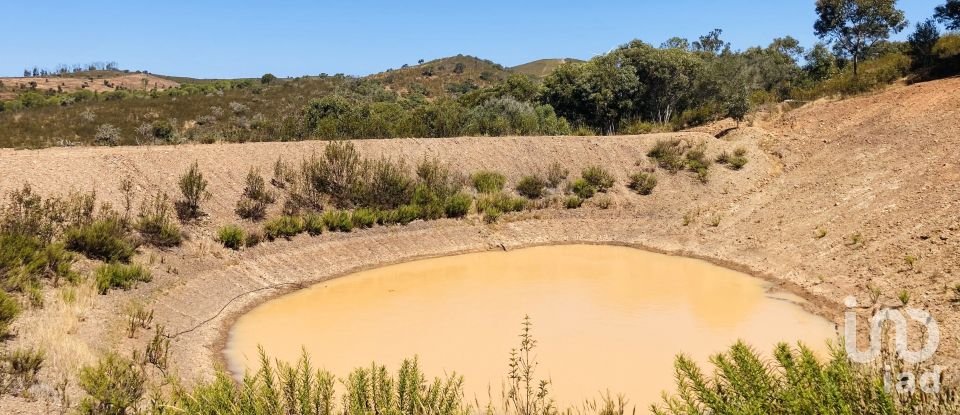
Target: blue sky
x,y
244,38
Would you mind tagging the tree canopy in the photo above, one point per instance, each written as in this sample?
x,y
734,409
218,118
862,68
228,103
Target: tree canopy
x,y
949,14
855,26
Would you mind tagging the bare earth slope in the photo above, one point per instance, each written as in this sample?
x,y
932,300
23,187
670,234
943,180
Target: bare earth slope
x,y
102,82
883,166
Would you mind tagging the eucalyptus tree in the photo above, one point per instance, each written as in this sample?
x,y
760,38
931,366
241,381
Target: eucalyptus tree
x,y
855,26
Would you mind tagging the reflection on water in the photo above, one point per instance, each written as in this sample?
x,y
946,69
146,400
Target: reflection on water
x,y
605,317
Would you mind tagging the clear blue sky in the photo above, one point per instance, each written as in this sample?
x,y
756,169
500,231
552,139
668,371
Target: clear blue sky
x,y
243,38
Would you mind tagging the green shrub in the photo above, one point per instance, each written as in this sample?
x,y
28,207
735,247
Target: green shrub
x,y
116,275
488,181
491,214
431,203
531,187
697,162
598,177
114,386
193,188
313,223
389,186
643,183
231,236
25,260
668,154
458,205
20,368
573,202
735,161
156,225
299,388
9,310
339,174
256,197
104,239
795,382
337,221
583,189
285,226
363,218
504,203
406,214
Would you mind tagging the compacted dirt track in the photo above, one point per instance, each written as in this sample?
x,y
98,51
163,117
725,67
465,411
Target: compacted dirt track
x,y
883,166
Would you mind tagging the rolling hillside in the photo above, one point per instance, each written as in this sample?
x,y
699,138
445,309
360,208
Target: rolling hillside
x,y
436,78
542,67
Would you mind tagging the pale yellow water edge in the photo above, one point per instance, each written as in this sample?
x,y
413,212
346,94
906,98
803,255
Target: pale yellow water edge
x,y
607,318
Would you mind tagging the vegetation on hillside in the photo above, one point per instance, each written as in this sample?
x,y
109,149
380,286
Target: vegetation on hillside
x,y
636,88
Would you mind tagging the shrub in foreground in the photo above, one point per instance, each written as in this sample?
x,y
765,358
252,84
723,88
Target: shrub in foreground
x,y
504,203
458,205
193,187
363,218
123,276
256,197
313,224
598,177
488,181
285,226
735,161
531,187
156,225
796,382
231,236
583,189
115,385
104,239
25,260
697,162
573,202
668,154
338,221
9,309
281,388
556,174
643,183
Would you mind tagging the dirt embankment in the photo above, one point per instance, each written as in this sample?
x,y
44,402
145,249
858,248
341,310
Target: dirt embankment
x,y
883,166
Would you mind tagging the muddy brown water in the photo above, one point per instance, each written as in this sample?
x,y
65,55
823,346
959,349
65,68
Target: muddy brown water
x,y
606,318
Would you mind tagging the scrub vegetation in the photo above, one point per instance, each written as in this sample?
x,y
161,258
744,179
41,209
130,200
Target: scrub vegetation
x,y
635,88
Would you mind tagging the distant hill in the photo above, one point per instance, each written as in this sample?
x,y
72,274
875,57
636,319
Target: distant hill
x,y
96,81
452,75
542,67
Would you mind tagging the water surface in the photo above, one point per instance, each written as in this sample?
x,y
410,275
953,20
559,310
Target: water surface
x,y
605,318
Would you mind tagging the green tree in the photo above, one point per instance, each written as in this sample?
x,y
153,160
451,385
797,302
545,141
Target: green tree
x,y
855,26
267,78
949,14
676,43
821,63
738,106
922,42
711,43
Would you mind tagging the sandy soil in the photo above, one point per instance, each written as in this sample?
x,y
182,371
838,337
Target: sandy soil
x,y
884,166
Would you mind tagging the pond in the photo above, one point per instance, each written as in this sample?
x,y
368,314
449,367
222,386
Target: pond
x,y
606,318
